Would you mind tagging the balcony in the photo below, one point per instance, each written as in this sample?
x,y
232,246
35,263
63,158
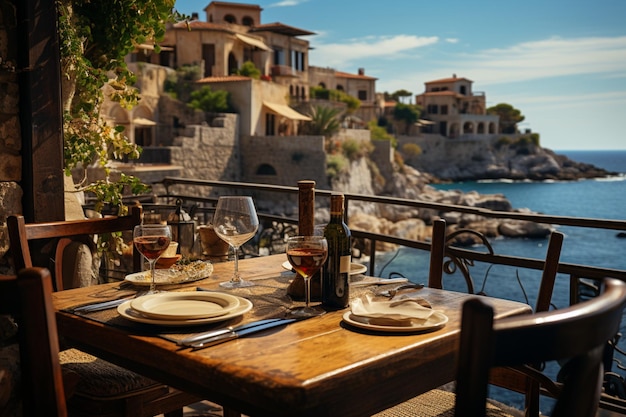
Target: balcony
x,y
283,71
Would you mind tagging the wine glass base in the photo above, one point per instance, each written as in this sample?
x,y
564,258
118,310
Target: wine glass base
x,y
237,284
300,312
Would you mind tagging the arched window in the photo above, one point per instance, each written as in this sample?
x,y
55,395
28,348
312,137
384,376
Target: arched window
x,y
265,169
322,85
247,21
481,128
339,87
229,18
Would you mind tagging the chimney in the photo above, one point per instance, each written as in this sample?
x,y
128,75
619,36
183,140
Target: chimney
x,y
361,71
453,75
194,16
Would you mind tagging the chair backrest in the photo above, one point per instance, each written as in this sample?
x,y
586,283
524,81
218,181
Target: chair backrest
x,y
578,333
27,298
437,253
20,234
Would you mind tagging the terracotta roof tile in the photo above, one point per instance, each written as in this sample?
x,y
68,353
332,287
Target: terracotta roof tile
x,y
448,80
355,76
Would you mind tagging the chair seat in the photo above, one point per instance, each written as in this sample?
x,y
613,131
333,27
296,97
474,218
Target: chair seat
x,y
102,379
440,403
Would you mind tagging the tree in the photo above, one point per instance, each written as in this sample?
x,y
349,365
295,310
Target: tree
x,y
208,100
400,94
95,37
509,117
407,113
324,122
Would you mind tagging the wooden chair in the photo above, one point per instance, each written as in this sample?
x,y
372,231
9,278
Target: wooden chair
x,y
27,298
578,334
440,402
114,390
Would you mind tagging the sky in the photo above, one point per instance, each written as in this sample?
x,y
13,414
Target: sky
x,y
562,63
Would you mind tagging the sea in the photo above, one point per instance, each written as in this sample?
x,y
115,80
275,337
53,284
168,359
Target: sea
x,y
602,198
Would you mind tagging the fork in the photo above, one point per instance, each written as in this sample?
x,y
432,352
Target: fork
x,y
391,293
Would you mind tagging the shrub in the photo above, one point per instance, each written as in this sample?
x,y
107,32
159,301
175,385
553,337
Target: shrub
x,y
335,165
411,150
207,100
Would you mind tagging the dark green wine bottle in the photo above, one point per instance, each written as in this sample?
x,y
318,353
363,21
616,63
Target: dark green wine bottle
x,y
336,271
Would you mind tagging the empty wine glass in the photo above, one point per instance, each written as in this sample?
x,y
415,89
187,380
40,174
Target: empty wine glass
x,y
151,240
235,221
306,255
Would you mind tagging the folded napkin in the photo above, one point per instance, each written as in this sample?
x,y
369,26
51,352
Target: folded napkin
x,y
398,312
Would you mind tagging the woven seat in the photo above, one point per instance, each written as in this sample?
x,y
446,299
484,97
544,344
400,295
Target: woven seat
x,y
99,378
440,403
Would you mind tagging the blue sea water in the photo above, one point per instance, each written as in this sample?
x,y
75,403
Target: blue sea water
x,y
598,198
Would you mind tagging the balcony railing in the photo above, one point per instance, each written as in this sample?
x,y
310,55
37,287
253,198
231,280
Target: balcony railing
x,y
283,70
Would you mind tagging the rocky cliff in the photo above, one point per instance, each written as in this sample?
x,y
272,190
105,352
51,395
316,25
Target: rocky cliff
x,y
495,158
414,223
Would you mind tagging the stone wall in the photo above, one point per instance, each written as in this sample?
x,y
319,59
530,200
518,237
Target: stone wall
x,y
10,136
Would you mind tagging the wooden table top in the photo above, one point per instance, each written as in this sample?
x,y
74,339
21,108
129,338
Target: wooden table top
x,y
315,367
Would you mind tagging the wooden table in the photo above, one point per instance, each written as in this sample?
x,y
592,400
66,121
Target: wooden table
x,y
316,367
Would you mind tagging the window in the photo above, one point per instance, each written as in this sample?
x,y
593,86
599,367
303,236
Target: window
x,y
279,55
444,109
265,169
432,109
247,21
229,18
362,95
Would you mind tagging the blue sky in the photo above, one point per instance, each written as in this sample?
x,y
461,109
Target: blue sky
x,y
561,62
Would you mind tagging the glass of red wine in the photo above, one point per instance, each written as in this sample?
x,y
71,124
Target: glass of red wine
x,y
307,254
151,240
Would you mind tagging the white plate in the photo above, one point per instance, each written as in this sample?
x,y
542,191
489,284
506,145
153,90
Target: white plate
x,y
355,268
126,311
178,274
185,305
436,321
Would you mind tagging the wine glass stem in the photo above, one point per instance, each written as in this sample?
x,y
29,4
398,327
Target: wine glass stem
x,y
307,290
152,282
236,277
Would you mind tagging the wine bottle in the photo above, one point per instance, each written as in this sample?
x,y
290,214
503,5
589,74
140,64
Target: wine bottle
x,y
336,271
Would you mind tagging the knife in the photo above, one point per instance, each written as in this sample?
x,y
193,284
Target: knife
x,y
100,306
216,340
188,341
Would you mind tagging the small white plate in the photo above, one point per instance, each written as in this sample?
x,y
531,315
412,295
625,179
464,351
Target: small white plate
x,y
126,311
355,268
436,321
175,275
185,305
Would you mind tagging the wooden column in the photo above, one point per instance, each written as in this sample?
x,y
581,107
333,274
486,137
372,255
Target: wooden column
x,y
38,65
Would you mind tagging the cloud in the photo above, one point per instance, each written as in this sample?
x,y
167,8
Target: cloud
x,y
287,3
342,54
553,57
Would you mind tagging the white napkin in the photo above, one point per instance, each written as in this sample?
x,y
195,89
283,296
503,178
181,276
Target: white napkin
x,y
398,312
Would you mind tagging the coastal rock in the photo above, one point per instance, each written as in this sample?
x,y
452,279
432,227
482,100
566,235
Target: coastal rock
x,y
494,158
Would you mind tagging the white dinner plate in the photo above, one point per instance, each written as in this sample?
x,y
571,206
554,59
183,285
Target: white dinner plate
x,y
177,274
185,305
355,268
436,321
126,311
